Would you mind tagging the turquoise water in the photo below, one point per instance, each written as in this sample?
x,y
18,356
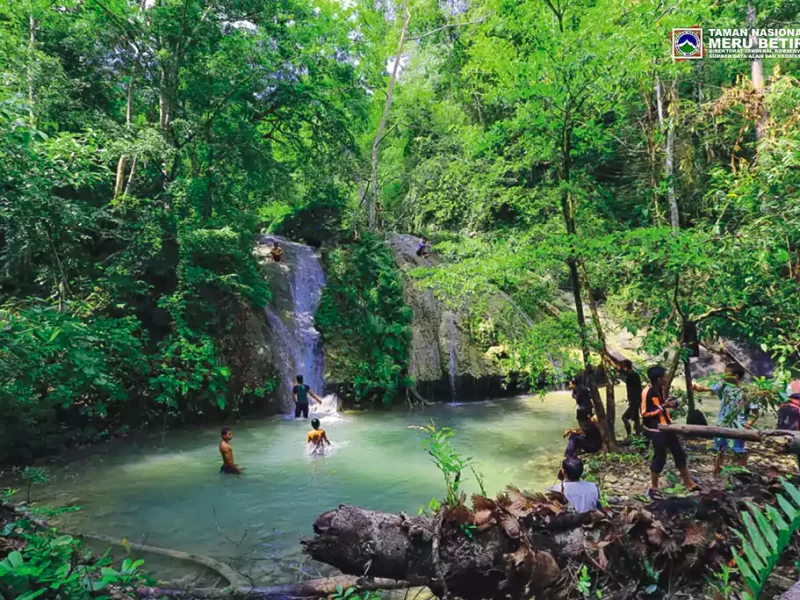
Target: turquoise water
x,y
167,490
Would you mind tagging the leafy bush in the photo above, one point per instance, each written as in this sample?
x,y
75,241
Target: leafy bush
x,y
363,319
62,365
57,566
766,537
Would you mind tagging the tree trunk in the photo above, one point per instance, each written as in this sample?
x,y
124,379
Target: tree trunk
x,y
31,58
609,435
373,205
669,156
518,544
787,442
757,74
120,179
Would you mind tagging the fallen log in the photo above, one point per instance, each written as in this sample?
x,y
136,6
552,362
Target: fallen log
x,y
786,442
315,588
521,544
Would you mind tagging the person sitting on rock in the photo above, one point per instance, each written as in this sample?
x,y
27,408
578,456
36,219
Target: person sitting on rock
x,y
423,250
587,439
582,496
317,439
276,252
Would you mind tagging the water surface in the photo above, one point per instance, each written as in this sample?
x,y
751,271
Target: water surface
x,y
166,490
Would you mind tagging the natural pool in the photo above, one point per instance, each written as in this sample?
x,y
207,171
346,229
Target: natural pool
x,y
167,491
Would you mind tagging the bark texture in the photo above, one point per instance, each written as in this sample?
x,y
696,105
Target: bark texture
x,y
522,545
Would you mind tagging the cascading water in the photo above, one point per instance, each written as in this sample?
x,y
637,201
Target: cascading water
x,y
453,362
298,281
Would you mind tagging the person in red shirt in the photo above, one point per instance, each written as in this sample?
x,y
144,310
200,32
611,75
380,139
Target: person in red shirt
x,y
655,412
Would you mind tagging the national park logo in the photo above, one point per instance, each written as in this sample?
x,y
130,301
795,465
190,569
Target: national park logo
x,y
687,43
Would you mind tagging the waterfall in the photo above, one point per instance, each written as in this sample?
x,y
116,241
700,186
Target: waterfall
x,y
297,346
453,363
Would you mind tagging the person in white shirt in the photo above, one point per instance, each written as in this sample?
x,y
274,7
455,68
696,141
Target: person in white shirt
x,y
583,496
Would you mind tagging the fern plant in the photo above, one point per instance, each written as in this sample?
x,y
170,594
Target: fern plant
x,y
767,537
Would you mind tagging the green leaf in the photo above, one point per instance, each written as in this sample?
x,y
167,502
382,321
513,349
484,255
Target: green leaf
x,y
766,529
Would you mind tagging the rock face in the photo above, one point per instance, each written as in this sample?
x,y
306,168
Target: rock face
x,y
245,349
444,362
293,344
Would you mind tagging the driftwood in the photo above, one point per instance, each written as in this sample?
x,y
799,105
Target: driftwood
x,y
787,442
316,588
233,576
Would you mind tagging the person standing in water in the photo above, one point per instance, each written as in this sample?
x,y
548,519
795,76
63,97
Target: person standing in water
x,y
225,449
317,438
300,393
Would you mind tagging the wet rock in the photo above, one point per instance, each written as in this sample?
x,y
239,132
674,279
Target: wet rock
x,y
444,361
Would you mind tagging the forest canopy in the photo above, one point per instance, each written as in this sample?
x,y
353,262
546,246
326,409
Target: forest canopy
x,y
552,150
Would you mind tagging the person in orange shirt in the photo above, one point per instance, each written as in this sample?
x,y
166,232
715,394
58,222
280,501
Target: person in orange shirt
x,y
317,438
655,413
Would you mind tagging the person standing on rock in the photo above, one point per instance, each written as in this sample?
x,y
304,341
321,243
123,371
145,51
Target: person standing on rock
x,y
655,412
300,393
734,411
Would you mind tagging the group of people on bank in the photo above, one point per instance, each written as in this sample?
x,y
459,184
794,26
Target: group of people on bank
x,y
650,406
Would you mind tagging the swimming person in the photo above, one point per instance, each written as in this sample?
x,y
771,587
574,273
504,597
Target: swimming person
x,y
317,438
225,449
582,496
300,393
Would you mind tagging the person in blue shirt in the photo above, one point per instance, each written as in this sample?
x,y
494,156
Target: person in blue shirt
x,y
734,411
423,250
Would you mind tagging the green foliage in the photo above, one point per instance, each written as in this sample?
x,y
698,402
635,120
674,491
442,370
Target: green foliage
x,y
57,566
72,365
364,322
767,534
139,160
34,476
448,461
351,594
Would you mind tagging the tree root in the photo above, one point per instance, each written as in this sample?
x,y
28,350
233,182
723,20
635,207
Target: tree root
x,y
233,576
315,588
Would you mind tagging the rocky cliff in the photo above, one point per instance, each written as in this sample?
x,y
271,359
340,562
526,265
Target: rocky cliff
x,y
444,362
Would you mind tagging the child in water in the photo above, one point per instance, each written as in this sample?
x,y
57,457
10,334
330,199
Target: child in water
x,y
317,438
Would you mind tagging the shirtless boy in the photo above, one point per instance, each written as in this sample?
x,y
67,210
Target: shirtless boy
x,y
225,449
